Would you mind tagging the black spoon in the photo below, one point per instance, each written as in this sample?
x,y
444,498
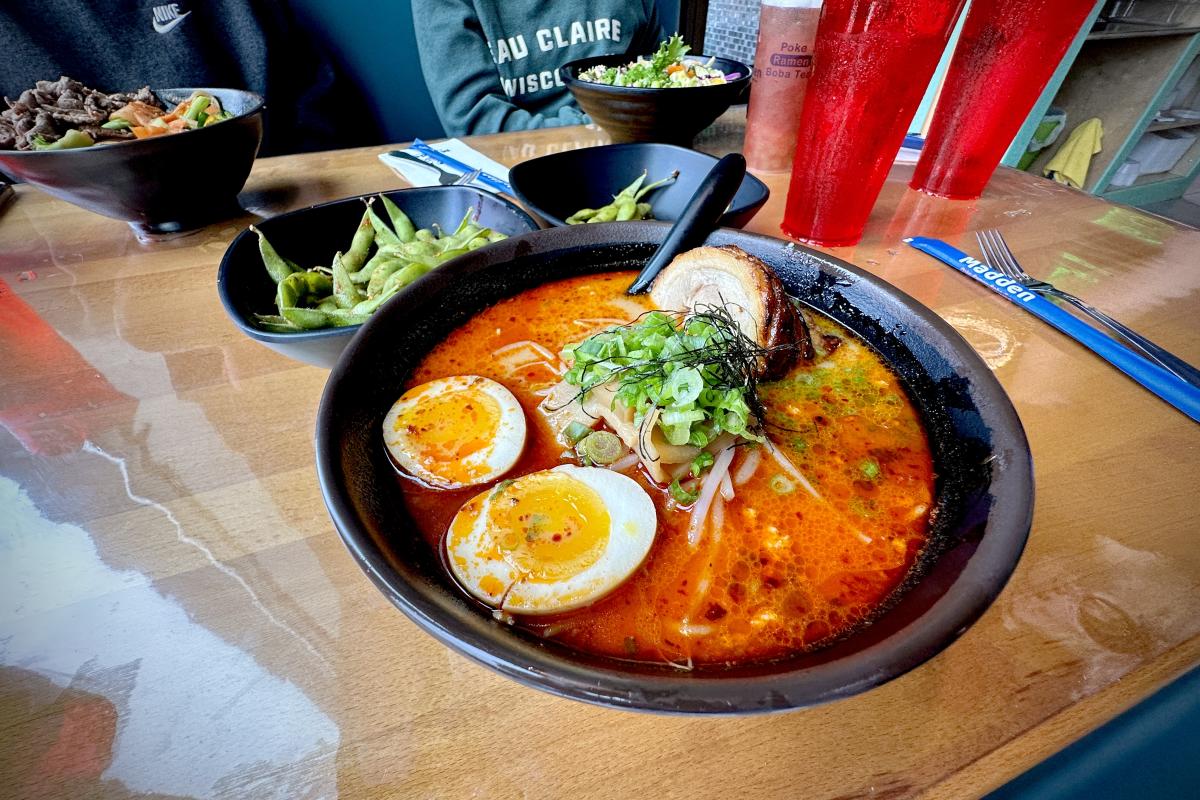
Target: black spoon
x,y
699,217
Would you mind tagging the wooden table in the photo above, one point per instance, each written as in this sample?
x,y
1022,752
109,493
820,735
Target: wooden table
x,y
179,618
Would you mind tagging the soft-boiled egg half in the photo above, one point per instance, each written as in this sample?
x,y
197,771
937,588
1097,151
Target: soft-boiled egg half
x,y
456,432
551,541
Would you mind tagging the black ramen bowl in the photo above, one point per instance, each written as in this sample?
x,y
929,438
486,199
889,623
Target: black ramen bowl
x,y
981,458
554,187
159,185
675,115
311,236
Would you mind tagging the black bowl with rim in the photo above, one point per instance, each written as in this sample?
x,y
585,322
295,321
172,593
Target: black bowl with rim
x,y
674,115
984,489
555,186
311,236
163,184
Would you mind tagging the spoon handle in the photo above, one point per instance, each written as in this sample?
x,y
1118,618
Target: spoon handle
x,y
698,219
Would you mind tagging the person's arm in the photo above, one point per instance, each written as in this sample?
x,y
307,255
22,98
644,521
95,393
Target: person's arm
x,y
647,38
462,77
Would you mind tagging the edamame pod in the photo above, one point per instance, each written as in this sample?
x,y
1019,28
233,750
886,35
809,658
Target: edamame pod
x,y
606,214
463,223
300,287
405,230
382,273
341,318
360,245
364,274
384,235
277,266
449,254
305,318
369,306
403,277
274,323
625,205
345,293
582,215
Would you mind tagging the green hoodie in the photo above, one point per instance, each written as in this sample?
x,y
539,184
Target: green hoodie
x,y
492,65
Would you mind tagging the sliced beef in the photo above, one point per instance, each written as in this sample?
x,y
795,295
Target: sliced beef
x,y
52,108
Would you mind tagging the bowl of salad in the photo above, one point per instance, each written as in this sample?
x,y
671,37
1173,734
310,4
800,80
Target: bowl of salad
x,y
163,160
667,96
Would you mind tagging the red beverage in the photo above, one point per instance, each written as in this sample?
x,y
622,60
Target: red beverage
x,y
783,62
1007,53
874,60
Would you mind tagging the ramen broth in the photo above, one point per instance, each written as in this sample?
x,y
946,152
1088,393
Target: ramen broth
x,y
780,568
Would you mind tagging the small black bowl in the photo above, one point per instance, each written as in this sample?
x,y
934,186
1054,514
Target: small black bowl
x,y
984,489
310,236
554,187
163,184
676,115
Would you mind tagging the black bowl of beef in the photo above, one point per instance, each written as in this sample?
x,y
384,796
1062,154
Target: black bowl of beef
x,y
161,184
673,115
983,496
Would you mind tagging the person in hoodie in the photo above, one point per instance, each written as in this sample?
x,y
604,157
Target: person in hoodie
x,y
492,65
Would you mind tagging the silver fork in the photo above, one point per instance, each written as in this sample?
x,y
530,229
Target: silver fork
x,y
467,178
996,253
444,177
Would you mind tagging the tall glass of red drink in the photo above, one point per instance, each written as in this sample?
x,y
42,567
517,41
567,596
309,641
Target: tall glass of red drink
x,y
874,59
1007,53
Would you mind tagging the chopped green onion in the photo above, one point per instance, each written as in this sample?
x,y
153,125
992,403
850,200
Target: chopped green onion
x,y
870,469
600,447
197,107
701,463
699,373
682,495
576,431
118,124
68,141
781,485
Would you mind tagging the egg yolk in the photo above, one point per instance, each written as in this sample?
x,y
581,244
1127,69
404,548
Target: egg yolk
x,y
548,526
442,430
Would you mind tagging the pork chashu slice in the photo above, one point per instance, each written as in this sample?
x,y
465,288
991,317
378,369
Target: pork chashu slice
x,y
729,276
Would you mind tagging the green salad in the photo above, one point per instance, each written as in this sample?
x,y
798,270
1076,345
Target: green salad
x,y
666,69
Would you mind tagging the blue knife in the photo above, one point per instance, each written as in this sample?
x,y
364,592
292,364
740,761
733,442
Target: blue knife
x,y
1169,387
491,181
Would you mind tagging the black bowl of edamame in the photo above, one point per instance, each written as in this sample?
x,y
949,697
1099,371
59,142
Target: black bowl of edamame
x,y
267,266
557,186
161,184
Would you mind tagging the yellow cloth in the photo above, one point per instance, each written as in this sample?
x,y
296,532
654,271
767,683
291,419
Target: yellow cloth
x,y
1070,164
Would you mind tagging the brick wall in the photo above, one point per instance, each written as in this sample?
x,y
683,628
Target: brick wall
x,y
732,29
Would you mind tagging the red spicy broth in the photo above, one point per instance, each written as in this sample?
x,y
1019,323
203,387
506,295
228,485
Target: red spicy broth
x,y
789,569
